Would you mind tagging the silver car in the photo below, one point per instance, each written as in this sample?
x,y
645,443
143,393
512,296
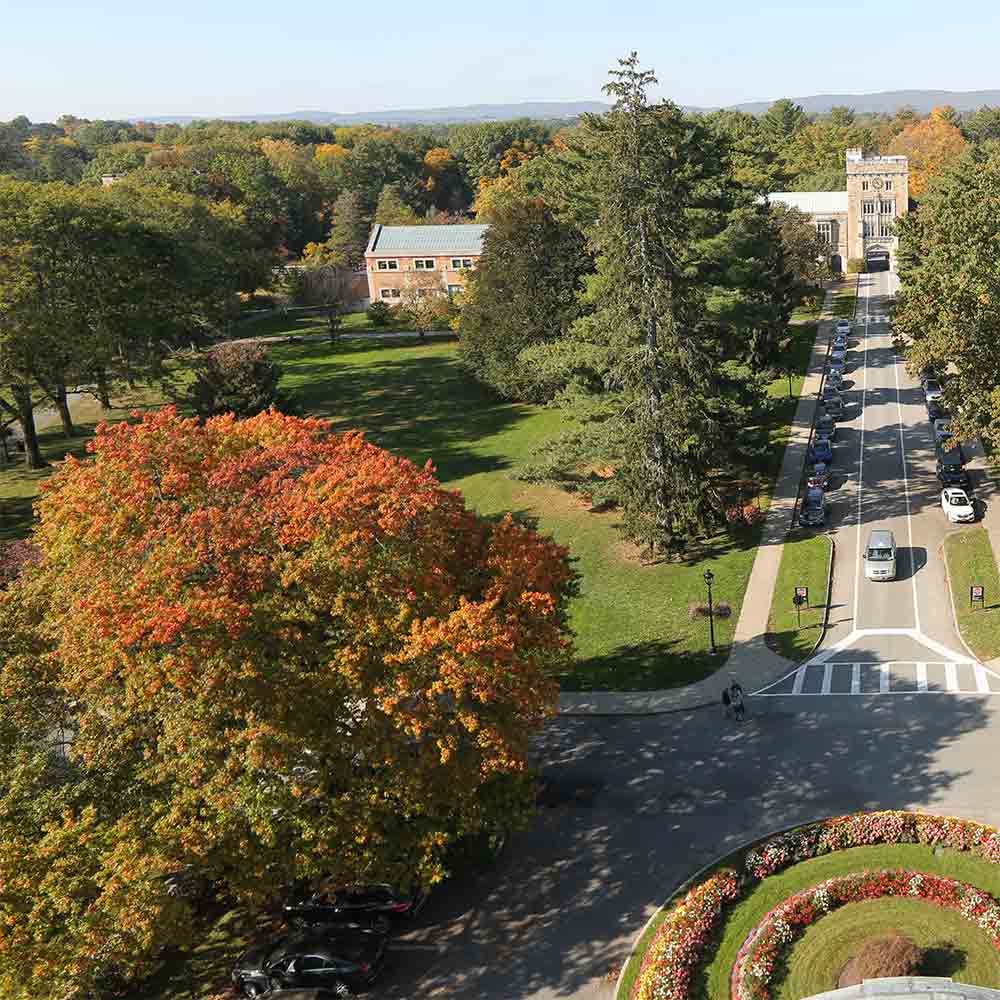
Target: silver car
x,y
880,555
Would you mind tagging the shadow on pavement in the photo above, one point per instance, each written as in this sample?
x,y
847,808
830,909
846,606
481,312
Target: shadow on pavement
x,y
634,806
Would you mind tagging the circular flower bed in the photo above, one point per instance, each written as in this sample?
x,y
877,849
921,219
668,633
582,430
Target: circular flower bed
x,y
680,942
755,965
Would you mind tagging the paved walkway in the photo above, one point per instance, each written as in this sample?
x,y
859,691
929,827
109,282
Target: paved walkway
x,y
750,661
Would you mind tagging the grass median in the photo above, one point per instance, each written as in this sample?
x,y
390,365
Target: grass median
x,y
845,299
805,562
972,562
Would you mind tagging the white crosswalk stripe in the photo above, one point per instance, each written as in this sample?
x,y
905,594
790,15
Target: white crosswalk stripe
x,y
836,678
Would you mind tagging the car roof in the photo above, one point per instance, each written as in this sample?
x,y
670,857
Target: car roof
x,y
880,537
948,490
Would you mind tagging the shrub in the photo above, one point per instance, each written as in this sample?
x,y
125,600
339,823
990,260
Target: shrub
x,y
379,314
238,378
856,265
886,956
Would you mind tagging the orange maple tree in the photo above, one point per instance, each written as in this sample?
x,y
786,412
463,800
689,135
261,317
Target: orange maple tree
x,y
282,652
931,144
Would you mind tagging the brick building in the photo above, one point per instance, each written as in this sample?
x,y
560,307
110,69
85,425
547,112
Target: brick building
x,y
859,222
422,260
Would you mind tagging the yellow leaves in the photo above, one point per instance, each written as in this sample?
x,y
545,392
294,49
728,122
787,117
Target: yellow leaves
x,y
930,145
331,152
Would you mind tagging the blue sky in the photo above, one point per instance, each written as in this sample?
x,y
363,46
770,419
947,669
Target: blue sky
x,y
125,59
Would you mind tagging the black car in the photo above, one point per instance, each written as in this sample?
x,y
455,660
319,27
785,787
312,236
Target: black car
x,y
339,960
310,914
360,900
813,511
935,411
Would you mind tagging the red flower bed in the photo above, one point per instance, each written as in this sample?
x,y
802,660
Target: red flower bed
x,y
764,946
680,941
862,829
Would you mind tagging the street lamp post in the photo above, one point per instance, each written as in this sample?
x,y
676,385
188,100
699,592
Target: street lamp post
x,y
709,577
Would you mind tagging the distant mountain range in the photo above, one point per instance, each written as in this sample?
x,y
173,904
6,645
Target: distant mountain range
x,y
884,101
418,116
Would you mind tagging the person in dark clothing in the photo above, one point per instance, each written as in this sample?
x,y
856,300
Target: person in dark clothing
x,y
736,700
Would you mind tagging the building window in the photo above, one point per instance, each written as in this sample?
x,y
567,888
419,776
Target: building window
x,y
886,208
864,185
390,293
825,231
868,208
868,229
455,289
885,227
888,185
388,265
424,264
460,263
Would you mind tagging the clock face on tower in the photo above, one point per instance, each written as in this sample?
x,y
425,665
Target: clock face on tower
x,y
877,183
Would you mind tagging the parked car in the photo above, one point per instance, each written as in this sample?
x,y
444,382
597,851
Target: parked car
x,y
813,512
836,365
942,429
951,466
819,476
835,378
829,392
927,374
932,390
309,914
844,326
826,425
337,960
367,899
936,410
820,451
957,506
838,354
840,341
833,406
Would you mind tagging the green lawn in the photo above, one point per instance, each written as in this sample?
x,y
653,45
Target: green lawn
x,y
633,630
971,560
845,298
300,324
953,946
805,562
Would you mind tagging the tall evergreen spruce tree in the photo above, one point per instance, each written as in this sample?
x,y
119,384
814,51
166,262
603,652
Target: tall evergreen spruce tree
x,y
688,268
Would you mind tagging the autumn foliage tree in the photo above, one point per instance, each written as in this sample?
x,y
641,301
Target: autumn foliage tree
x,y
281,652
931,144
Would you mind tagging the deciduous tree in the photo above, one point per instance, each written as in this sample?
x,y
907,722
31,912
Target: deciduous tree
x,y
930,144
283,653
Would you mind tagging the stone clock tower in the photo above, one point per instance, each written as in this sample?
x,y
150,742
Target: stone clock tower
x,y
877,195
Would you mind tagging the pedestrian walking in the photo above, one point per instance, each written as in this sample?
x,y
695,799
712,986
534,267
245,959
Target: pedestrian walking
x,y
737,701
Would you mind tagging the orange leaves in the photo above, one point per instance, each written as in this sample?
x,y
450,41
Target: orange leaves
x,y
287,650
931,144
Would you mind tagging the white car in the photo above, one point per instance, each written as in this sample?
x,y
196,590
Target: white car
x,y
844,326
942,430
957,505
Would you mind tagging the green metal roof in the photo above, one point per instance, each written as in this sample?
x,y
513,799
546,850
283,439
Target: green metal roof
x,y
389,240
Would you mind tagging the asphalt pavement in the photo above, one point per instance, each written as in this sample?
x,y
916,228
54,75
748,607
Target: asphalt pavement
x,y
892,712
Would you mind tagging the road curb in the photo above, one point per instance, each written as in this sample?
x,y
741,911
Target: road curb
x,y
829,598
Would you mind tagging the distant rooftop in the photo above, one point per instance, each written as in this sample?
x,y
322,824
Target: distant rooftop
x,y
855,155
388,240
812,202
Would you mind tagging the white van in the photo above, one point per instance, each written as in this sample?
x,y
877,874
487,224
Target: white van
x,y
880,555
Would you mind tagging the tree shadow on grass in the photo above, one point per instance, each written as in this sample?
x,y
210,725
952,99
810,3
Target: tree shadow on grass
x,y
642,666
414,399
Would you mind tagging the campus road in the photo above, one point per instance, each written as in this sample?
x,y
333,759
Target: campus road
x,y
892,713
897,636
634,806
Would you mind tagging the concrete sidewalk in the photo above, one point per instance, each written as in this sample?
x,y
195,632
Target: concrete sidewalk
x,y
750,661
